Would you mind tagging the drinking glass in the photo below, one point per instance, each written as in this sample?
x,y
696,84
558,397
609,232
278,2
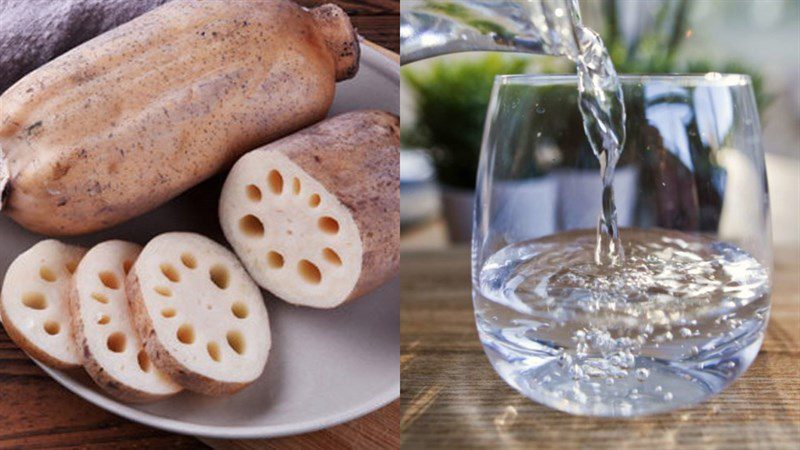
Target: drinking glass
x,y
685,314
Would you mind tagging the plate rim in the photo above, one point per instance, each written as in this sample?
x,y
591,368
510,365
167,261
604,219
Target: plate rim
x,y
129,412
391,70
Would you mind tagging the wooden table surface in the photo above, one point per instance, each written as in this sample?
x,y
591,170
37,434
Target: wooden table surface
x,y
36,412
452,398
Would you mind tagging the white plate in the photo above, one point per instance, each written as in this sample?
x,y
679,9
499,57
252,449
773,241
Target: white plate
x,y
325,367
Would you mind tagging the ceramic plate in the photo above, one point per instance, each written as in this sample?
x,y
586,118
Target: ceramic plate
x,y
325,367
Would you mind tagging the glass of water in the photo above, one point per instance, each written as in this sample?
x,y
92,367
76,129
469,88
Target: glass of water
x,y
683,314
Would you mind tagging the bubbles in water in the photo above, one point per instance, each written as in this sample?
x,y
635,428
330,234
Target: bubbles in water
x,y
607,330
664,337
576,372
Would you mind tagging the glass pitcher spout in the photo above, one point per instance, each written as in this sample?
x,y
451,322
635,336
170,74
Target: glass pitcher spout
x,y
436,27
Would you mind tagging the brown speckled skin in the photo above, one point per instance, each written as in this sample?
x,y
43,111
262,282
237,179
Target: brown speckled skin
x,y
160,357
138,115
93,368
356,156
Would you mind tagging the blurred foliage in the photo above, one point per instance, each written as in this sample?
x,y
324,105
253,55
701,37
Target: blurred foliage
x,y
657,51
451,106
453,96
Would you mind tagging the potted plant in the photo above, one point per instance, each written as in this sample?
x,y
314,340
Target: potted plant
x,y
452,98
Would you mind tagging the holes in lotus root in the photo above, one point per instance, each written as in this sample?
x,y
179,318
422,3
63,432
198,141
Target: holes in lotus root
x,y
219,276
144,361
331,256
314,200
240,310
168,313
251,226
296,186
170,272
46,274
52,328
253,192
163,291
116,342
328,225
186,334
71,266
309,271
275,181
104,320
126,266
213,351
236,341
189,260
34,300
100,298
274,260
109,280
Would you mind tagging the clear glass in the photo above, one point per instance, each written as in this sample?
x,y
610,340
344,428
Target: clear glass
x,y
685,314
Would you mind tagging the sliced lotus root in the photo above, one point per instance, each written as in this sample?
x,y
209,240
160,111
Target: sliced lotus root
x,y
113,354
34,303
201,317
315,217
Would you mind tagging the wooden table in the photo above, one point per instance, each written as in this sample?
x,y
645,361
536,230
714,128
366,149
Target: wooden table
x,y
452,398
36,412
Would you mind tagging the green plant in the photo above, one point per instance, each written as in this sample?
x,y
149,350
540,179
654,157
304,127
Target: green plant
x,y
451,106
658,51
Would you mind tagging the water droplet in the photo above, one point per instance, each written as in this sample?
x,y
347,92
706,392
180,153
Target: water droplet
x,y
685,332
668,396
642,374
540,109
